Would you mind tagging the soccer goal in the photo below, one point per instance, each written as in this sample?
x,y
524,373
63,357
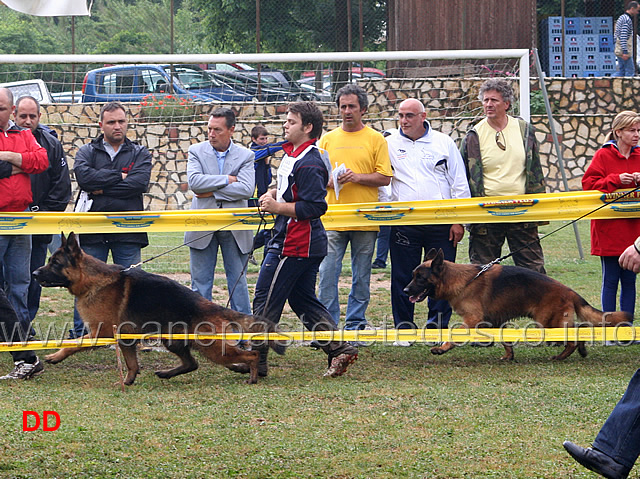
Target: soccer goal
x,y
168,97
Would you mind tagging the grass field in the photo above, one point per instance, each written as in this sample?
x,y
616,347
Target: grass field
x,y
398,412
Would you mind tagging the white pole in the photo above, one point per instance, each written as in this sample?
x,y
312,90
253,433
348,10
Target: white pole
x,y
523,54
525,103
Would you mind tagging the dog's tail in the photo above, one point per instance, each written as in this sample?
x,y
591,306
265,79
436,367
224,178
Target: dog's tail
x,y
259,324
594,316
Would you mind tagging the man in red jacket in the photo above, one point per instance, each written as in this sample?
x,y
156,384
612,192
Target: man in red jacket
x,y
21,153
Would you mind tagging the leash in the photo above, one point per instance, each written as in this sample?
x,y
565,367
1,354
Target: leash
x,y
259,213
499,260
263,222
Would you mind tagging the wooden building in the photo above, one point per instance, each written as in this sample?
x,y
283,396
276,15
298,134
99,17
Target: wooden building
x,y
461,24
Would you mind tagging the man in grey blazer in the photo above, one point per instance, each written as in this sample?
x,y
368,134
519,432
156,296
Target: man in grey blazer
x,y
221,175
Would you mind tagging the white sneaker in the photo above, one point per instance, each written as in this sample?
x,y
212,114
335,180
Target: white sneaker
x,y
24,370
403,344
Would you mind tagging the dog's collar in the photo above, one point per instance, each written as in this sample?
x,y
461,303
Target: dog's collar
x,y
484,269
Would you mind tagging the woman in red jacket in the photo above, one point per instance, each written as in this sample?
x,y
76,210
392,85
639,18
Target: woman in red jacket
x,y
616,165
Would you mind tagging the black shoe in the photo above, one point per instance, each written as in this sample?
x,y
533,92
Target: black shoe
x,y
597,461
24,370
378,265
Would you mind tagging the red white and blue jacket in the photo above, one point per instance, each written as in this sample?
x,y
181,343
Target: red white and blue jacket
x,y
302,178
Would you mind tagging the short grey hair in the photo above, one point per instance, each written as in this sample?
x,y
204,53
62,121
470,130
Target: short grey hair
x,y
501,86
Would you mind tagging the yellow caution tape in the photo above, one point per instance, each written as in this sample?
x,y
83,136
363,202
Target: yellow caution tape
x,y
459,335
496,209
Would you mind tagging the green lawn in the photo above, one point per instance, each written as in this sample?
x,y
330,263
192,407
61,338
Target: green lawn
x,y
398,412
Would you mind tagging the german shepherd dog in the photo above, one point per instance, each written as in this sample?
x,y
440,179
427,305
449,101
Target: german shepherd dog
x,y
502,293
139,302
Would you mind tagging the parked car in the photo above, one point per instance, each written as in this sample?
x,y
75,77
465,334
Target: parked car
x,y
367,72
325,93
283,80
133,82
67,97
263,91
227,67
36,88
270,88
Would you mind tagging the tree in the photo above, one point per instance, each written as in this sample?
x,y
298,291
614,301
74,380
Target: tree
x,y
288,25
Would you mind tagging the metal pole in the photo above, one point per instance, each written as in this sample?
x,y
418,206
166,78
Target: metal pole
x,y
556,143
259,91
361,29
73,52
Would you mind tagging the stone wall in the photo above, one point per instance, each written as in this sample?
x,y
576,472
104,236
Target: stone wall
x,y
583,110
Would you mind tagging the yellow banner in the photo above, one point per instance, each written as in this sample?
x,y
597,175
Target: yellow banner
x,y
497,209
515,334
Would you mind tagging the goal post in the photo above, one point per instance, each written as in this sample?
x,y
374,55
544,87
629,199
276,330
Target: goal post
x,y
473,64
446,82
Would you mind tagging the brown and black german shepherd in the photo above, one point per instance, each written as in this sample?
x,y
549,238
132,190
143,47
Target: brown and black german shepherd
x,y
503,293
139,302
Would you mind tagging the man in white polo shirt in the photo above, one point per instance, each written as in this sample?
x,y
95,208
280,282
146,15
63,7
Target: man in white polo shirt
x,y
426,166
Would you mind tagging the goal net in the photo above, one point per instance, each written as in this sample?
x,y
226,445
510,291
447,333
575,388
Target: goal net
x,y
168,97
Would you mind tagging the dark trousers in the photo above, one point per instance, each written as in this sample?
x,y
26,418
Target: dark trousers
x,y
382,245
619,437
486,240
12,331
283,279
408,246
612,275
38,258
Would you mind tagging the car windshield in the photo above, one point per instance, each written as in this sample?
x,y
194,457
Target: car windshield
x,y
194,79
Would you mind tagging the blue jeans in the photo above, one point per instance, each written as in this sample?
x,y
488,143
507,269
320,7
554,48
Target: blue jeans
x,y
625,67
15,257
11,330
382,245
619,437
362,245
408,246
203,266
124,254
612,274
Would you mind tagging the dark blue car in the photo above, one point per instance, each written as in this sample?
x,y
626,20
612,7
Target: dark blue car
x,y
134,82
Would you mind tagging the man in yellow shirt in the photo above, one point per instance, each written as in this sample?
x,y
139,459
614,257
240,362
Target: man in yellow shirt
x,y
502,158
365,157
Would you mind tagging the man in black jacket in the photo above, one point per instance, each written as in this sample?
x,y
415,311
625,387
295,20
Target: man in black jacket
x,y
115,172
51,189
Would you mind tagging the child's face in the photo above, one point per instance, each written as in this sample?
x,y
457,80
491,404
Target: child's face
x,y
261,140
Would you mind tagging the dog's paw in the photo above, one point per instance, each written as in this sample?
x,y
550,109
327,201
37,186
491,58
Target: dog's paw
x,y
52,359
241,368
437,350
164,374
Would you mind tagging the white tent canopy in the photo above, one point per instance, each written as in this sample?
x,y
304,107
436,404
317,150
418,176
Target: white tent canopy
x,y
49,8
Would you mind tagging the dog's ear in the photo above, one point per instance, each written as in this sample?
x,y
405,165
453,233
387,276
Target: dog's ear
x,y
431,254
437,263
72,244
63,238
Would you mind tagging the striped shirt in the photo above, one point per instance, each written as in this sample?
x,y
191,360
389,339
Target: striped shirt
x,y
623,31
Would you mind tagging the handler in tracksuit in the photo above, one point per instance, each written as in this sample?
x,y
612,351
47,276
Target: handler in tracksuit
x,y
299,241
115,171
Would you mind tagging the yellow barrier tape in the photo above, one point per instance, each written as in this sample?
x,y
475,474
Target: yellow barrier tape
x,y
458,335
67,343
497,209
